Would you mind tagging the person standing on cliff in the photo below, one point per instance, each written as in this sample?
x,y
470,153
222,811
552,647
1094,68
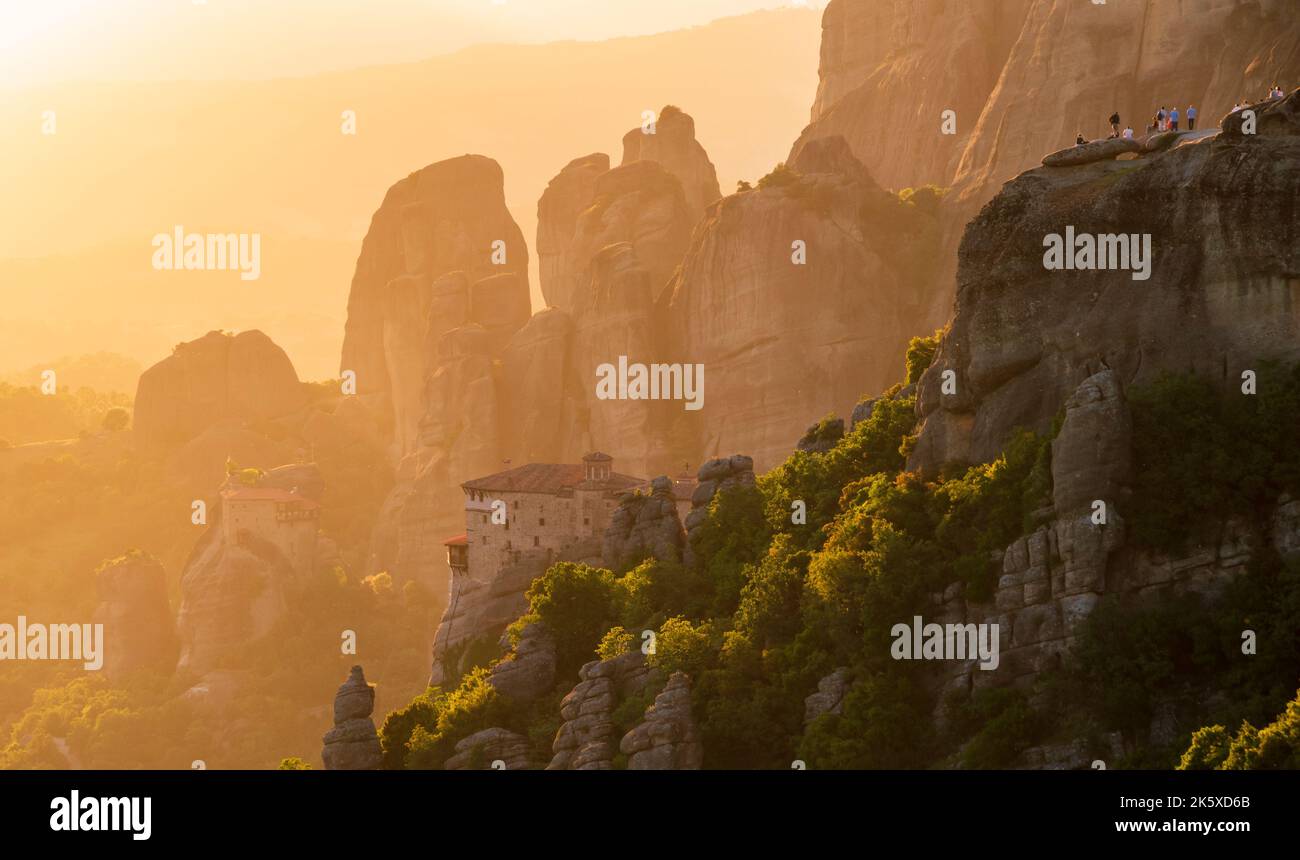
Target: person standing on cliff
x,y
1128,133
1078,140
1160,119
1114,124
1173,120
1191,118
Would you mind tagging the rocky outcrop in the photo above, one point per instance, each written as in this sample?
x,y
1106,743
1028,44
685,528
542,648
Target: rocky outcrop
x,y
890,68
585,740
715,476
443,218
829,698
668,738
481,604
1087,153
842,264
644,526
673,145
353,743
219,380
1217,299
138,631
651,201
567,196
490,749
818,439
1021,78
1053,578
528,671
238,583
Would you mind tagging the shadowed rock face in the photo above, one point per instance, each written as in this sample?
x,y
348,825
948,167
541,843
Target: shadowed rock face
x,y
138,631
782,340
219,380
567,196
1223,293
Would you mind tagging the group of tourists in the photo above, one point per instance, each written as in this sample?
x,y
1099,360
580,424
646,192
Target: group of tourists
x,y
1168,120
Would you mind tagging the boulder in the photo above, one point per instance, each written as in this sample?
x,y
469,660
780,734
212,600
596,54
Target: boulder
x,y
353,743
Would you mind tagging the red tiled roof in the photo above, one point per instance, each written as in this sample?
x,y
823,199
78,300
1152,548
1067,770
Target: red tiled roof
x,y
547,478
458,540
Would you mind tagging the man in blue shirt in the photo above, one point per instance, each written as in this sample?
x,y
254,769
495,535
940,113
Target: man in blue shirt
x,y
1173,120
1191,118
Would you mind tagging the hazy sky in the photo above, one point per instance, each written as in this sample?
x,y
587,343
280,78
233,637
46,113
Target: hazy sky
x,y
51,40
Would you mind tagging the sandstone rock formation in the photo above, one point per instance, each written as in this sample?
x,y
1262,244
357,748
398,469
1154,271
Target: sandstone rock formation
x,y
644,525
567,196
668,738
1022,77
890,68
490,749
586,740
219,380
673,145
1218,299
529,670
237,583
639,203
844,266
443,218
139,634
353,743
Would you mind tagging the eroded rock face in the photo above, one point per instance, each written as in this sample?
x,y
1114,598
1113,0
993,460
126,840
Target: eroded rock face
x,y
674,146
567,196
826,255
443,218
668,739
529,671
890,68
644,525
1096,150
1219,298
490,749
138,631
651,201
353,743
219,380
586,740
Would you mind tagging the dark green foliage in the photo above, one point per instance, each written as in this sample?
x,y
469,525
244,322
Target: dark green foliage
x,y
1002,724
920,355
880,727
1203,455
577,604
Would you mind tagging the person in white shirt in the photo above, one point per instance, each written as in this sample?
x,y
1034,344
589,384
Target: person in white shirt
x,y
1128,133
